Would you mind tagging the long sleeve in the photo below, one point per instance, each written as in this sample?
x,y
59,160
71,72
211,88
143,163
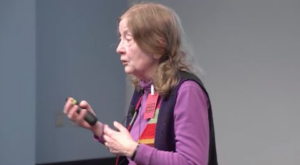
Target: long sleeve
x,y
191,131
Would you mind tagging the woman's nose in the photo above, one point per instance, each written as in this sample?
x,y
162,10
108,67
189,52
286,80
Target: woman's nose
x,y
120,49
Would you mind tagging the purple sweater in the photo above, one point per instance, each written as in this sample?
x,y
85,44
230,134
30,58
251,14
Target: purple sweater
x,y
192,143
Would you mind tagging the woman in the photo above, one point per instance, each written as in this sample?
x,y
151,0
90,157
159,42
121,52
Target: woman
x,y
171,120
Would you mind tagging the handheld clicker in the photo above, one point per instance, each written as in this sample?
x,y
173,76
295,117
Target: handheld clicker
x,y
89,117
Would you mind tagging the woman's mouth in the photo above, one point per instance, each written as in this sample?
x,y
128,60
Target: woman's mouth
x,y
124,62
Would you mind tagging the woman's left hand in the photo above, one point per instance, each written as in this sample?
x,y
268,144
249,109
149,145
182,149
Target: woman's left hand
x,y
119,142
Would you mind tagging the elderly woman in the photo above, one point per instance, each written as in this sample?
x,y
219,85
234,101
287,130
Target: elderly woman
x,y
171,118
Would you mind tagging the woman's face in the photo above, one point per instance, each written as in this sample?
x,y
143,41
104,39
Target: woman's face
x,y
136,62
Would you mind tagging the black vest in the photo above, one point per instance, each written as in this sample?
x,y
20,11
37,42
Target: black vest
x,y
165,134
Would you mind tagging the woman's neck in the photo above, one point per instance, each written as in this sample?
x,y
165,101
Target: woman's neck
x,y
145,77
148,73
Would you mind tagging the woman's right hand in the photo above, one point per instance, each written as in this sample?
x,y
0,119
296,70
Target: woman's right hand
x,y
78,119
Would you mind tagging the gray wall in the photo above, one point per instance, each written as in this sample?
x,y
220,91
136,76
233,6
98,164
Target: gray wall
x,y
250,52
76,42
50,50
17,82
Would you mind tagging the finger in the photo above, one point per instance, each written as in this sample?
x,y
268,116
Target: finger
x,y
68,105
72,114
107,139
113,151
108,131
119,126
110,147
81,115
69,99
84,104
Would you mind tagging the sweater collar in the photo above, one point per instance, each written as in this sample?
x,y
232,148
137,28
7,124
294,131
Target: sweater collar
x,y
146,85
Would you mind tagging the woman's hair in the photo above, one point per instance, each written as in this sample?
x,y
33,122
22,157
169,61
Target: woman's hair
x,y
157,30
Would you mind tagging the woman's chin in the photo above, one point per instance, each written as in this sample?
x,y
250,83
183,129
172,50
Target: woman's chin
x,y
128,70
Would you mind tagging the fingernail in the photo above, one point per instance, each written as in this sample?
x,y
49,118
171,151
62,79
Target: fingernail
x,y
67,98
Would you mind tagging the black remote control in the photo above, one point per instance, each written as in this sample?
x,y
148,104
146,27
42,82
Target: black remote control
x,y
89,117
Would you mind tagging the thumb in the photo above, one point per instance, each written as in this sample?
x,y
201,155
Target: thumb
x,y
84,104
119,126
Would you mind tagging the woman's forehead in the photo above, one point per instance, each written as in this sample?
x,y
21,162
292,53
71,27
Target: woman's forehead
x,y
123,28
